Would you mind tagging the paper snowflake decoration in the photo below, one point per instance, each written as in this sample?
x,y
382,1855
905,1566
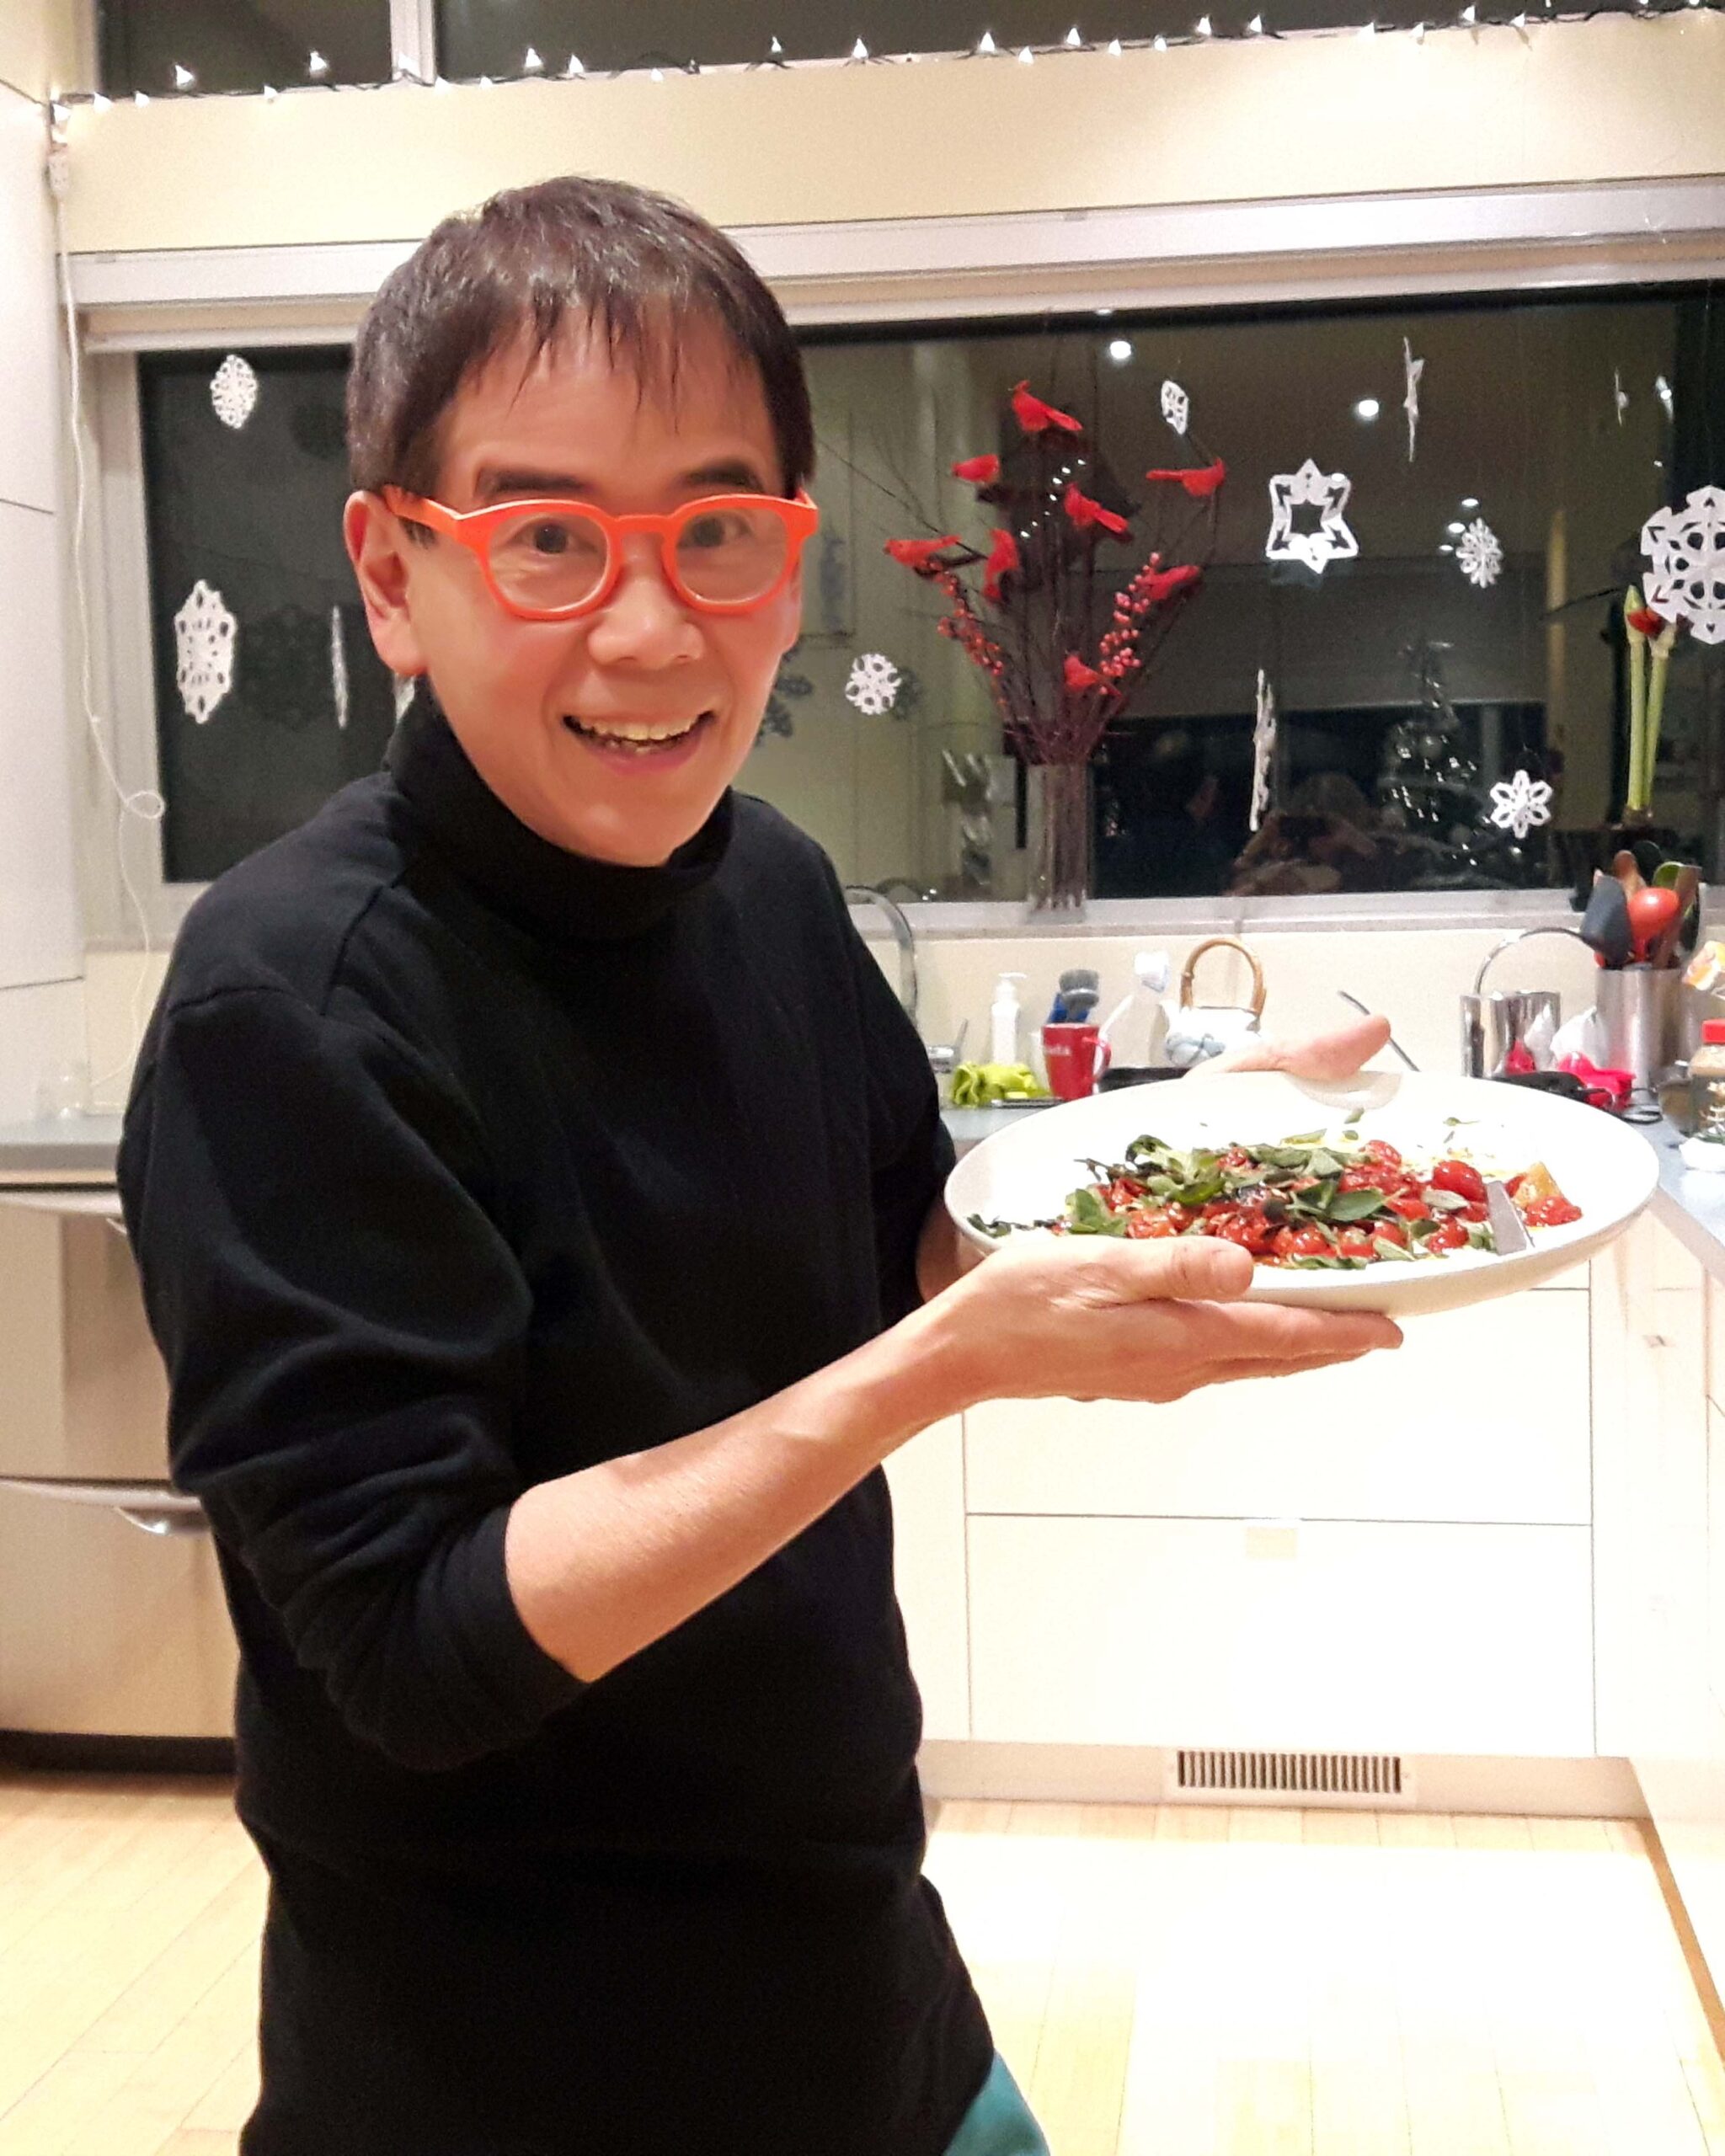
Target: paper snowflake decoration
x,y
1309,487
204,633
1686,547
1412,370
874,685
1519,804
1479,554
233,391
1177,406
1263,748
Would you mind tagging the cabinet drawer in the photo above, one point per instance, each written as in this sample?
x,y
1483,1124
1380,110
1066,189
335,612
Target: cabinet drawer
x,y
1482,1415
1464,1640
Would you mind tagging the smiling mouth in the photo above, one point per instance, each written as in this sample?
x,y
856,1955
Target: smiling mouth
x,y
642,740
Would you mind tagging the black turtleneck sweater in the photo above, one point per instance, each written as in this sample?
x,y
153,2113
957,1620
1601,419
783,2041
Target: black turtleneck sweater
x,y
455,1162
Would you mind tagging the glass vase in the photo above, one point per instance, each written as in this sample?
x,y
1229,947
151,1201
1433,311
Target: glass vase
x,y
1058,836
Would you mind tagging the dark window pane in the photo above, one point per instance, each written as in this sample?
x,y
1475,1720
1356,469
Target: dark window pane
x,y
252,515
490,37
1406,691
240,45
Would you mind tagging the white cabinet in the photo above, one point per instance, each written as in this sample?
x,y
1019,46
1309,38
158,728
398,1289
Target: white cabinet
x,y
30,381
39,930
1482,1415
927,1478
1216,1633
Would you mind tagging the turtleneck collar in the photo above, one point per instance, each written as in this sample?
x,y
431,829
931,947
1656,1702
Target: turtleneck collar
x,y
568,894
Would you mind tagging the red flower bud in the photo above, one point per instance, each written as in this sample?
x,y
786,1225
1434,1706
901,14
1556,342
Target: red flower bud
x,y
1002,561
1078,675
919,554
983,470
1644,619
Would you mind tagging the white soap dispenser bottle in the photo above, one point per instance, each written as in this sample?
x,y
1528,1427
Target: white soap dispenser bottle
x,y
1003,1017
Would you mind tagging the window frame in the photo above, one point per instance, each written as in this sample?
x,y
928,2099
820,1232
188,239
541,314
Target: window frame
x,y
864,276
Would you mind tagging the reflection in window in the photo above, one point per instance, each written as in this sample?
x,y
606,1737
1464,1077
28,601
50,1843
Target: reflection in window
x,y
230,46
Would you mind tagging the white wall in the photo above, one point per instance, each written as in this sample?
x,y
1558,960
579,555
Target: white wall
x,y
41,934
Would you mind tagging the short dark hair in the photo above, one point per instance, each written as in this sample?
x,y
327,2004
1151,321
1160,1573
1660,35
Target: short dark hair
x,y
638,266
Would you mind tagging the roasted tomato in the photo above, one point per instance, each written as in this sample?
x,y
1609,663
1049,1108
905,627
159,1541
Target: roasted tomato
x,y
1302,1242
1553,1212
1355,1242
1390,1231
1447,1234
1385,1155
1150,1227
1467,1181
1409,1205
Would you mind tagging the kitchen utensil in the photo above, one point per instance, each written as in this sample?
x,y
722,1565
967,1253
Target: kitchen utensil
x,y
1366,1011
1080,991
1025,1171
1509,1030
1652,913
1623,869
1510,1235
1637,1014
1197,1031
1686,882
1606,924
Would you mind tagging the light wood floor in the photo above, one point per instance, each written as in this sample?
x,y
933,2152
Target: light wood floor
x,y
1164,1982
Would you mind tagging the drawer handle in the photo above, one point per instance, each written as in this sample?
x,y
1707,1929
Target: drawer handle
x,y
150,1509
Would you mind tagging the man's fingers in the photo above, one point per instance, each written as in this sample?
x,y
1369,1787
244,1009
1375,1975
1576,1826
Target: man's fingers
x,y
1326,1057
1184,1268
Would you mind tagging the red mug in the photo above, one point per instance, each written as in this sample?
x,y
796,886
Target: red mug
x,y
1076,1056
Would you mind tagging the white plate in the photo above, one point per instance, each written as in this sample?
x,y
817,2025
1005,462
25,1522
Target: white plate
x,y
1606,1168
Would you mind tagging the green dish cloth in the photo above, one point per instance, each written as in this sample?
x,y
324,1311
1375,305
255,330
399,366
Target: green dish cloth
x,y
998,2123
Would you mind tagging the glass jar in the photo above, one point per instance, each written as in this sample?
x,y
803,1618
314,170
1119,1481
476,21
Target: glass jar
x,y
1707,1082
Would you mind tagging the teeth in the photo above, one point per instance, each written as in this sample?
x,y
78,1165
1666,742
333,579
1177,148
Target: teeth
x,y
639,734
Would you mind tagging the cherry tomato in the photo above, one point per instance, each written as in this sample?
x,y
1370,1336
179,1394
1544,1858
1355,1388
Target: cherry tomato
x,y
1471,1213
1121,1193
1384,1155
1447,1234
1362,1179
1391,1231
1408,1205
1467,1181
1152,1226
1302,1242
1236,1156
1555,1212
1355,1242
1183,1216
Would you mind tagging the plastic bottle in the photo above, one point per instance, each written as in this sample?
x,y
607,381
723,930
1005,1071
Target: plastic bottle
x,y
1141,1049
1706,1081
1003,1017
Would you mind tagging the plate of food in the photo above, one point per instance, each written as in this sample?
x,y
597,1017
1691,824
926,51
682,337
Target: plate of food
x,y
1369,1194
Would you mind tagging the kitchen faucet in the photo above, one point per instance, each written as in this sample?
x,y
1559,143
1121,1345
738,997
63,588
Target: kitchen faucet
x,y
868,895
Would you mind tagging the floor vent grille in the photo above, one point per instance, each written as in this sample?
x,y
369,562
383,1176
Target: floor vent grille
x,y
1307,1777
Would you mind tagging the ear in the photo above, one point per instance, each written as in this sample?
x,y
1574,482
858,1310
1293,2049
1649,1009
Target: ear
x,y
791,599
377,545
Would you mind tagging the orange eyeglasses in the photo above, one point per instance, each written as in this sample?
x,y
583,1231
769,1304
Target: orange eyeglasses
x,y
550,561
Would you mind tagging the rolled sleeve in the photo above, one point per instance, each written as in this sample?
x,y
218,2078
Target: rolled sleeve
x,y
343,1326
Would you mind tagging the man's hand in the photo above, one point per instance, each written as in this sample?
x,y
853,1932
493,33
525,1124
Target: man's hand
x,y
1098,1317
1327,1058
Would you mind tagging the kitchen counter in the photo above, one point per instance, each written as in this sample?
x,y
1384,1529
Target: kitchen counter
x,y
77,1149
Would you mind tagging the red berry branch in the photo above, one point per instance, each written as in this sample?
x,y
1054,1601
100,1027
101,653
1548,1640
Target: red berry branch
x,y
1060,640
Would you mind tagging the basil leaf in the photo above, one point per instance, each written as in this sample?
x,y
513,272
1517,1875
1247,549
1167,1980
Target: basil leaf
x,y
1385,1248
1356,1204
1445,1201
1089,1216
1304,1138
1323,1163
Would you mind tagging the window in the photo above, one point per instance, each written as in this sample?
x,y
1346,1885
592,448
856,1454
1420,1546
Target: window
x,y
229,47
491,37
1406,691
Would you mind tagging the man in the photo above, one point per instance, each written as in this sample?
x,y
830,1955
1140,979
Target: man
x,y
536,1192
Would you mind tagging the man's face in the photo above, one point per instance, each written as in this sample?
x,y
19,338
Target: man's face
x,y
536,704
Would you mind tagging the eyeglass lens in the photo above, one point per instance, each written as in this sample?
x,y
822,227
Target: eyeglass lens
x,y
551,558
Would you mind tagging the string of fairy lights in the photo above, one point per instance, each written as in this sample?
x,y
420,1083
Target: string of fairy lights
x,y
181,81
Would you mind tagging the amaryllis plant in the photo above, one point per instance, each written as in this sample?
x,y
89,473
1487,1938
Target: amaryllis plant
x,y
1062,634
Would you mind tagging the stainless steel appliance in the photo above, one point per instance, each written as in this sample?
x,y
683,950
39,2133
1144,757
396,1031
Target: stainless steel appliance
x,y
112,1618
